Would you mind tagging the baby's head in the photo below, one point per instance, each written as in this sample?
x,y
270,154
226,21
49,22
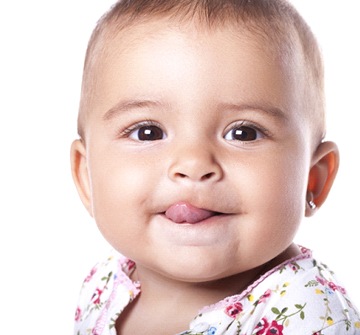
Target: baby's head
x,y
274,23
201,125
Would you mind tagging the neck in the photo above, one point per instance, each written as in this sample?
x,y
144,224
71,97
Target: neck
x,y
161,294
162,289
168,292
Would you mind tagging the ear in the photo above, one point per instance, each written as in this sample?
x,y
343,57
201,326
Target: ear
x,y
325,164
80,173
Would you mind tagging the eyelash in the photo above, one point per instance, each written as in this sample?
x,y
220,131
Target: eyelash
x,y
264,133
147,123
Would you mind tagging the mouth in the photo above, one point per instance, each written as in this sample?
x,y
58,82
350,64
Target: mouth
x,y
185,213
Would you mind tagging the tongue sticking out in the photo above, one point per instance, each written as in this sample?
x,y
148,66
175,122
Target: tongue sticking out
x,y
183,212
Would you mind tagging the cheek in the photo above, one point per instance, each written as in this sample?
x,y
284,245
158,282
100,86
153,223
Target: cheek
x,y
119,187
275,193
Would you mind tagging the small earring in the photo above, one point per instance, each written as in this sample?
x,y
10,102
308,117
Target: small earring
x,y
312,204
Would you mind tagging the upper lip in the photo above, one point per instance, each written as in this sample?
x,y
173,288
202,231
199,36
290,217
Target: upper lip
x,y
209,201
213,209
184,212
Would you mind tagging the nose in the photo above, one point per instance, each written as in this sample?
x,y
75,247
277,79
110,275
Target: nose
x,y
195,163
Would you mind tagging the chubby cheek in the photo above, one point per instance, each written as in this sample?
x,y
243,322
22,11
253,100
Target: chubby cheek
x,y
279,199
120,186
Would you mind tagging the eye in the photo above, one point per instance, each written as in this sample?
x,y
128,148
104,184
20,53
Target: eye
x,y
146,133
243,133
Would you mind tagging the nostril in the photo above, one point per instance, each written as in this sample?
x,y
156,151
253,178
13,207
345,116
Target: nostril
x,y
195,170
207,176
202,178
181,175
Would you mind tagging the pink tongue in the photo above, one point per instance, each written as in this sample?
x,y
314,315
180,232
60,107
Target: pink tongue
x,y
183,212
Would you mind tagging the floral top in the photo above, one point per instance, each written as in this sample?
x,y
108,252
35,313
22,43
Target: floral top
x,y
300,296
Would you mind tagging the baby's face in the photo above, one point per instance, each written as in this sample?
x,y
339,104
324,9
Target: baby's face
x,y
197,153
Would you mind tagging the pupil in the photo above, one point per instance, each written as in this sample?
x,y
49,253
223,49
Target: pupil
x,y
244,134
150,133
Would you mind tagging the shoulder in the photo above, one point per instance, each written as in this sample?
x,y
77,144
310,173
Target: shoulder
x,y
305,295
301,296
106,290
309,296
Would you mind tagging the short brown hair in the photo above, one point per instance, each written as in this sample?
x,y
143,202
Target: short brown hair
x,y
274,20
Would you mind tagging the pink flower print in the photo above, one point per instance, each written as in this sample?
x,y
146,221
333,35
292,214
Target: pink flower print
x,y
234,310
332,286
341,289
77,314
294,266
265,328
261,326
335,287
304,250
90,275
130,265
275,328
265,296
96,296
320,280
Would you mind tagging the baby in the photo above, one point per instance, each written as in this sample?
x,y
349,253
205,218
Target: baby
x,y
201,149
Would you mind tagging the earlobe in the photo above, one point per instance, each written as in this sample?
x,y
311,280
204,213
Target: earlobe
x,y
325,164
80,173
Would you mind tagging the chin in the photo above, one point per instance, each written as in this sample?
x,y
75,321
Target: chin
x,y
197,270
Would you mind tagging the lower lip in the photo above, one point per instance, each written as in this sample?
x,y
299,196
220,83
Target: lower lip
x,y
205,221
205,232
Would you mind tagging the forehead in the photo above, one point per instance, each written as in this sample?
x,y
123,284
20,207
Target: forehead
x,y
163,47
281,42
222,66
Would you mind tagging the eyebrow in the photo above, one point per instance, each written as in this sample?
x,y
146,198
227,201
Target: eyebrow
x,y
259,107
129,105
132,104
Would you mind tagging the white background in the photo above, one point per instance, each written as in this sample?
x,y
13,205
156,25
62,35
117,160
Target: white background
x,y
47,240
